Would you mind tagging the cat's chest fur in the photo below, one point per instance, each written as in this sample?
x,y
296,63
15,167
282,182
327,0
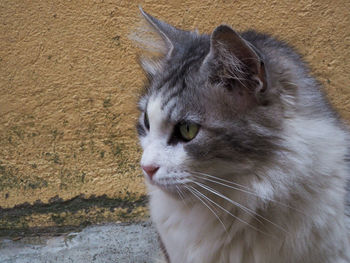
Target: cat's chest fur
x,y
191,233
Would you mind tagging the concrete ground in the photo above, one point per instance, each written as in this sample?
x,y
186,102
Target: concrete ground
x,y
134,243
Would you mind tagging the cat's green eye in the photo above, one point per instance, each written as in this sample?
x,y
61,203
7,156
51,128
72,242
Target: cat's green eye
x,y
188,130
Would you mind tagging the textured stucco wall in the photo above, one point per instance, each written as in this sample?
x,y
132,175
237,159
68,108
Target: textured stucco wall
x,y
68,88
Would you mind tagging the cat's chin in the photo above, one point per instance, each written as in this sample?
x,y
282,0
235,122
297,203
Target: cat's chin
x,y
176,190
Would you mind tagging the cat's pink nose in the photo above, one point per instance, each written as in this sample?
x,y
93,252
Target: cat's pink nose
x,y
150,170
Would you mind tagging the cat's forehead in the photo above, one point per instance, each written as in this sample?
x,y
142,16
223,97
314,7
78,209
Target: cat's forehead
x,y
165,107
180,97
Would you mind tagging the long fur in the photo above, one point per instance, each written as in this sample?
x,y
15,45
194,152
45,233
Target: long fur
x,y
261,182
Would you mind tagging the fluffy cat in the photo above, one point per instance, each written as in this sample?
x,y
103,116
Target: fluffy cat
x,y
244,158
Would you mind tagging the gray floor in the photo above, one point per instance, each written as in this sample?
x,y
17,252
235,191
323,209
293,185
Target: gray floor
x,y
134,243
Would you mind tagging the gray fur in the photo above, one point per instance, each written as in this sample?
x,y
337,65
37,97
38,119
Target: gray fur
x,y
247,107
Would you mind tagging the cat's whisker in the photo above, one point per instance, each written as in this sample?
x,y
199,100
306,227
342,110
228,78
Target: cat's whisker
x,y
249,211
229,213
186,186
218,178
179,193
226,185
246,209
249,191
207,205
198,194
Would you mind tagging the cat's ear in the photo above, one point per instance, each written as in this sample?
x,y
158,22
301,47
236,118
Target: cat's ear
x,y
165,31
157,40
235,61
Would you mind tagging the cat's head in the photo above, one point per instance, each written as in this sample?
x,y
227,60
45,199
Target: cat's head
x,y
207,109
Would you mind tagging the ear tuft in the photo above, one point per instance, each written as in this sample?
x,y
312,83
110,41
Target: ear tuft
x,y
146,37
164,30
156,39
225,40
234,62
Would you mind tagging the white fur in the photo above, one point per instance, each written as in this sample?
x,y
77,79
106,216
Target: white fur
x,y
156,151
191,233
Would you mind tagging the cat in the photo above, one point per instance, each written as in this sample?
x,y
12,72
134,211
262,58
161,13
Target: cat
x,y
244,158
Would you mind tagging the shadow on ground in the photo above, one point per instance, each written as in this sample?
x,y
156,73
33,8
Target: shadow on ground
x,y
117,243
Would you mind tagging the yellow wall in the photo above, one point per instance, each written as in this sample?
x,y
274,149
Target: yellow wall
x,y
68,88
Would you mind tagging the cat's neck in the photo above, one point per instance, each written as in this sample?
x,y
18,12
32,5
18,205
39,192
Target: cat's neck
x,y
193,233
